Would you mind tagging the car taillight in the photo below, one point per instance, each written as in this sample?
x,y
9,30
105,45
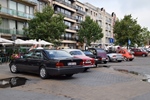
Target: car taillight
x,y
93,61
81,63
59,64
100,58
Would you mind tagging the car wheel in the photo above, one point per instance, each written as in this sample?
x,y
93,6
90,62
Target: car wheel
x,y
43,73
86,69
109,59
125,59
130,59
69,75
96,65
143,55
105,62
13,68
119,60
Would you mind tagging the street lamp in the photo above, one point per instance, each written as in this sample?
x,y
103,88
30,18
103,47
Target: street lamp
x,y
13,37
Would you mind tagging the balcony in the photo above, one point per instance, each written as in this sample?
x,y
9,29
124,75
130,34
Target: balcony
x,y
16,13
68,38
78,20
72,28
80,11
30,2
68,16
12,31
66,4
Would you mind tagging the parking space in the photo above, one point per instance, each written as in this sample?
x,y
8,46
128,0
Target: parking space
x,y
102,83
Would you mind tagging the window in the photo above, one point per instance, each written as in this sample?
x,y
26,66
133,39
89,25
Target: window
x,y
4,24
31,11
21,7
12,5
27,9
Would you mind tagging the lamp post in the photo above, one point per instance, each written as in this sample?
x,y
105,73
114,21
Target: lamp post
x,y
13,37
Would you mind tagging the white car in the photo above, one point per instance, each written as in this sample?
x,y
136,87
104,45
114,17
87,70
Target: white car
x,y
88,62
117,57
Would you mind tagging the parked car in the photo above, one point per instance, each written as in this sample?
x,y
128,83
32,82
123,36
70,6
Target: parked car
x,y
128,56
47,62
101,53
88,62
98,59
147,49
139,52
117,57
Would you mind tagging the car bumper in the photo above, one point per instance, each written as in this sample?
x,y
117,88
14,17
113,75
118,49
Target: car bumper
x,y
64,71
89,66
98,61
117,59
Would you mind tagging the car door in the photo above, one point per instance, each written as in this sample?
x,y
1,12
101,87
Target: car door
x,y
22,62
138,52
35,61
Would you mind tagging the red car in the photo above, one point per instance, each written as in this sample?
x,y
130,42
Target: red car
x,y
139,52
88,62
128,56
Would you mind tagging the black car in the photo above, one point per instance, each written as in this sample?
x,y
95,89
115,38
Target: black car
x,y
47,62
99,52
98,59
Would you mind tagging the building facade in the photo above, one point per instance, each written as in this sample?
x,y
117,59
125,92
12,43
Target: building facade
x,y
16,13
105,20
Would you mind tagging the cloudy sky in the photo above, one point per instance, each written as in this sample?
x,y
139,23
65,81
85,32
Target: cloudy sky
x,y
139,9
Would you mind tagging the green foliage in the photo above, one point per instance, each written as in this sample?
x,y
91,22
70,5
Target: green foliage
x,y
46,26
89,31
127,28
144,37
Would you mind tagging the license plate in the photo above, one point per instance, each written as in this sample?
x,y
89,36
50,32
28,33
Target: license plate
x,y
103,58
72,63
87,61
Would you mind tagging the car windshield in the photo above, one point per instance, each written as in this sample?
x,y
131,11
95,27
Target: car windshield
x,y
76,53
101,51
88,52
57,53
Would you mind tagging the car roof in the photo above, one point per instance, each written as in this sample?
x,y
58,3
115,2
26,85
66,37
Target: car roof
x,y
71,50
96,48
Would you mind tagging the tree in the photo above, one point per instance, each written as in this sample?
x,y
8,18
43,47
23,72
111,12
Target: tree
x,y
89,31
127,29
144,37
46,25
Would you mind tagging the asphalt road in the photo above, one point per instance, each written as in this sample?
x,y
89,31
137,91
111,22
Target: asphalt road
x,y
112,81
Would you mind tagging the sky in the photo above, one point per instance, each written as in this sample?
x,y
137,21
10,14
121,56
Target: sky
x,y
139,9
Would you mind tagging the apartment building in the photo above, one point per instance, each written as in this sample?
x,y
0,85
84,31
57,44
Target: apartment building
x,y
68,9
105,21
15,14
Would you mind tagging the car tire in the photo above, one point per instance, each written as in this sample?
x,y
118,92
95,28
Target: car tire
x,y
96,65
13,68
125,59
69,75
119,60
105,62
85,69
109,59
144,55
43,73
130,59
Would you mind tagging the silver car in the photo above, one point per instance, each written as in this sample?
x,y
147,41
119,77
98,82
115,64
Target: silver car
x,y
117,57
